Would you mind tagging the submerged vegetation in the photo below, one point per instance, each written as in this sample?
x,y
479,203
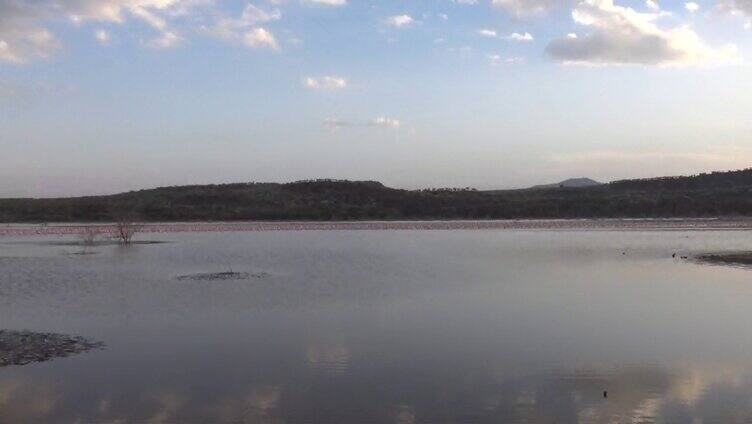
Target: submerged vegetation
x,y
223,276
24,347
703,195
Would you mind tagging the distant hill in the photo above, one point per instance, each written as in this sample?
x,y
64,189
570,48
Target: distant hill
x,y
570,183
704,195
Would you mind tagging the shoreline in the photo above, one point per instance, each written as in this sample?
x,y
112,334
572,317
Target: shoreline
x,y
626,224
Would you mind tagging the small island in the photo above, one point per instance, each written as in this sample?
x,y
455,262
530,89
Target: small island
x,y
25,347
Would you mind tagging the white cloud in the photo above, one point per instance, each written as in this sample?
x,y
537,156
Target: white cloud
x,y
334,124
692,7
528,7
327,2
31,43
245,29
167,40
259,38
329,82
736,6
623,36
253,15
400,21
385,122
232,29
516,36
102,36
652,5
497,59
24,32
465,2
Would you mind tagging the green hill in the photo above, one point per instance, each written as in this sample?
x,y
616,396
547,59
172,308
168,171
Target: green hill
x,y
703,195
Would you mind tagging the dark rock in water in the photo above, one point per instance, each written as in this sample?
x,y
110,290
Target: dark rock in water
x,y
24,347
223,276
730,258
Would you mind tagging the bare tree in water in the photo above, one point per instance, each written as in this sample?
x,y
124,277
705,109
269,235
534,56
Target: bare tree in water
x,y
89,235
125,229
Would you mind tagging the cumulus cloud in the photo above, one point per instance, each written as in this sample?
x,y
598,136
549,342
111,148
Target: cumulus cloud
x,y
167,40
253,15
528,7
329,82
400,21
232,29
259,38
245,29
736,6
692,6
516,36
620,35
24,32
19,46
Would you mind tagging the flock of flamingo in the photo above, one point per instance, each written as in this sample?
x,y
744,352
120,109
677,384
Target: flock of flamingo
x,y
11,230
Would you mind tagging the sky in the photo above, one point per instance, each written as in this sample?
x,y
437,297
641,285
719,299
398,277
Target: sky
x,y
105,96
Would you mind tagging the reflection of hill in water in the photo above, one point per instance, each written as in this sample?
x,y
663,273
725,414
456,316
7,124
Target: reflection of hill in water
x,y
328,359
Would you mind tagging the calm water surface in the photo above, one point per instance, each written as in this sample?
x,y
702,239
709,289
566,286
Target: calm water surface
x,y
385,327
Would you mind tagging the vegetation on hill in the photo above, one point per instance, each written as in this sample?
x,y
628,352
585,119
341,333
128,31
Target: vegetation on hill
x,y
704,195
570,183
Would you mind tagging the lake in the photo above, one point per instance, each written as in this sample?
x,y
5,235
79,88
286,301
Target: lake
x,y
482,326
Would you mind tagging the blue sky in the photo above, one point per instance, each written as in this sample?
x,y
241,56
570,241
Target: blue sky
x,y
101,96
